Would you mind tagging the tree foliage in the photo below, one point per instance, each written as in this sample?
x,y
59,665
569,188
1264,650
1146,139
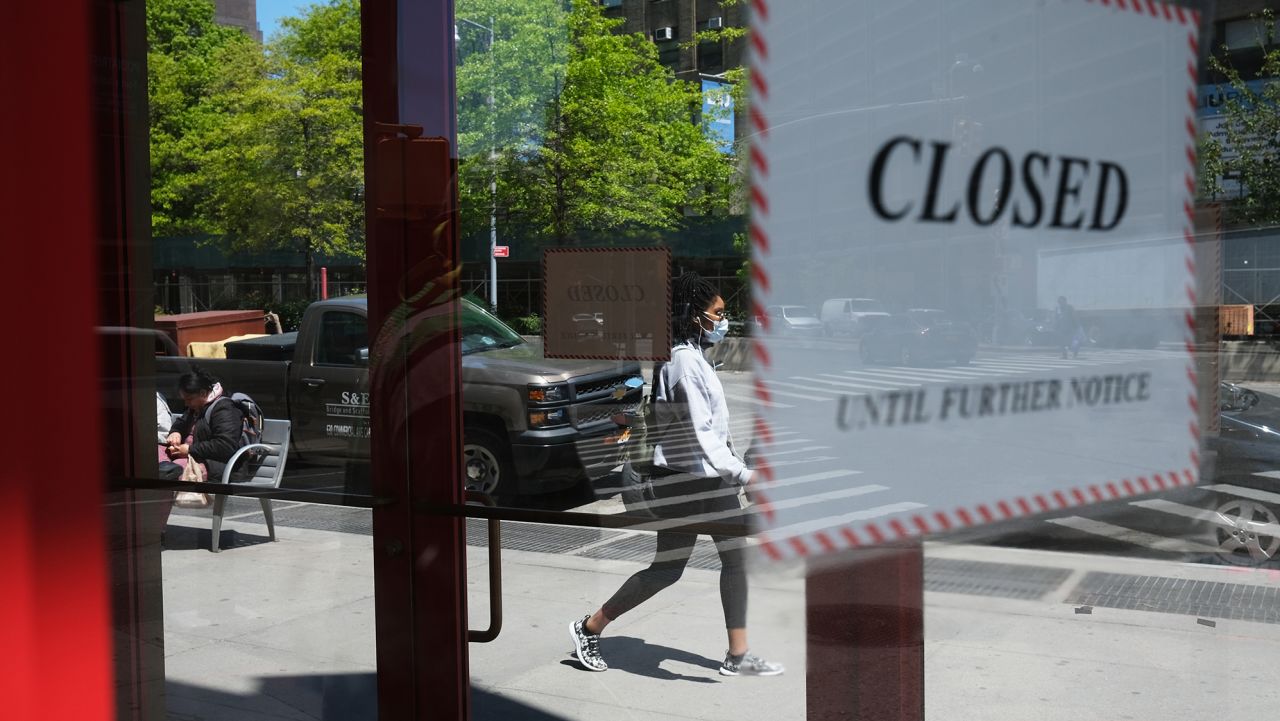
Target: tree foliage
x,y
288,168
260,146
1250,149
581,129
186,50
587,132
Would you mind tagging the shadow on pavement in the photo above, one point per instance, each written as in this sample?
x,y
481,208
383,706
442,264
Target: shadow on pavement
x,y
185,538
325,697
635,655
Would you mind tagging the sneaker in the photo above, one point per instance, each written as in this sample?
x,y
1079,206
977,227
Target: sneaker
x,y
749,664
587,646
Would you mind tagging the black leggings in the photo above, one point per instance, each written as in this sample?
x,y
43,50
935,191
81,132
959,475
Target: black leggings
x,y
690,498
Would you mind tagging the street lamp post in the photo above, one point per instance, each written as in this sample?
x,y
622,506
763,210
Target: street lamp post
x,y
493,177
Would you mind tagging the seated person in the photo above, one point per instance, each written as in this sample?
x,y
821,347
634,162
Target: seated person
x,y
164,419
169,471
208,432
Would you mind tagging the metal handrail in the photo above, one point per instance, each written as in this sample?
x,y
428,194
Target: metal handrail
x,y
495,574
490,512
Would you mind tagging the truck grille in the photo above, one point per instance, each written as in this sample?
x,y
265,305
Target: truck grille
x,y
593,389
588,414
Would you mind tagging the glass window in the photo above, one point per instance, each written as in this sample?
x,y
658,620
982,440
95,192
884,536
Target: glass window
x,y
250,594
342,338
1240,286
711,57
1240,253
1245,34
1268,253
586,194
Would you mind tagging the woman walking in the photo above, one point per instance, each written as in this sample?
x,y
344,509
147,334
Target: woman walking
x,y
696,477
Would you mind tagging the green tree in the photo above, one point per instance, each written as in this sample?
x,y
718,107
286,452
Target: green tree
x,y
1250,148
185,49
286,168
586,133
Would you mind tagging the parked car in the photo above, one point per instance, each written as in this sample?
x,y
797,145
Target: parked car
x,y
1029,328
916,336
846,315
588,325
1247,458
525,417
794,320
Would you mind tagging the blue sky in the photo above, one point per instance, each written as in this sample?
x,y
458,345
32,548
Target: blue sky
x,y
270,12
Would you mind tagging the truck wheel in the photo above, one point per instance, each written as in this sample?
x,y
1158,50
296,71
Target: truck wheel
x,y
487,466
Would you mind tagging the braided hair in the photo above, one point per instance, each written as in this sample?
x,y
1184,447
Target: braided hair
x,y
690,296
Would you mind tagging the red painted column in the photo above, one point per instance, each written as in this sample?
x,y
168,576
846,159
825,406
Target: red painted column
x,y
415,359
56,659
865,638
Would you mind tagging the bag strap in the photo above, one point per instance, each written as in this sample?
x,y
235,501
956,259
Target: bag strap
x,y
208,410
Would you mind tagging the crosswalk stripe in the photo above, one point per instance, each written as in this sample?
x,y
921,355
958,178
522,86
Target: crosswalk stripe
x,y
815,477
1091,360
798,461
1128,535
1010,360
1202,514
848,382
757,401
1251,493
797,450
775,392
893,374
1024,367
681,446
772,386
789,441
926,376
798,500
880,378
959,373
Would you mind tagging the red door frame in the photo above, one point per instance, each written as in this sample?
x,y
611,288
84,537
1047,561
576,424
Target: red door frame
x,y
54,602
418,560
415,379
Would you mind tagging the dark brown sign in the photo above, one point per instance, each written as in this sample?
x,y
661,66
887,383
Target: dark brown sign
x,y
607,303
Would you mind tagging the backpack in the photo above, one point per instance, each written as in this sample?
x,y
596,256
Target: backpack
x,y
251,423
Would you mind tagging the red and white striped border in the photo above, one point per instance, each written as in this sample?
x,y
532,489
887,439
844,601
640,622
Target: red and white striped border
x,y
870,534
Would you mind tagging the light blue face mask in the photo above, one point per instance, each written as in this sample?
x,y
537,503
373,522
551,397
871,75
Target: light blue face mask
x,y
717,332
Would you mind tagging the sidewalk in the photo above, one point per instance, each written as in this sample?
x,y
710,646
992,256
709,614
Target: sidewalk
x,y
285,631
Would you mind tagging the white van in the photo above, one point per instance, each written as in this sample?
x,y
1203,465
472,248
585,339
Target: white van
x,y
845,315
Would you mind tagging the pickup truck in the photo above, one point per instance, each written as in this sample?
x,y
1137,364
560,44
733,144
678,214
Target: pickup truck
x,y
530,424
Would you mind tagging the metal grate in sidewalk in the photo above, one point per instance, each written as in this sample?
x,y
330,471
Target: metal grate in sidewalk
x,y
316,518
639,547
983,578
536,537
1208,599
